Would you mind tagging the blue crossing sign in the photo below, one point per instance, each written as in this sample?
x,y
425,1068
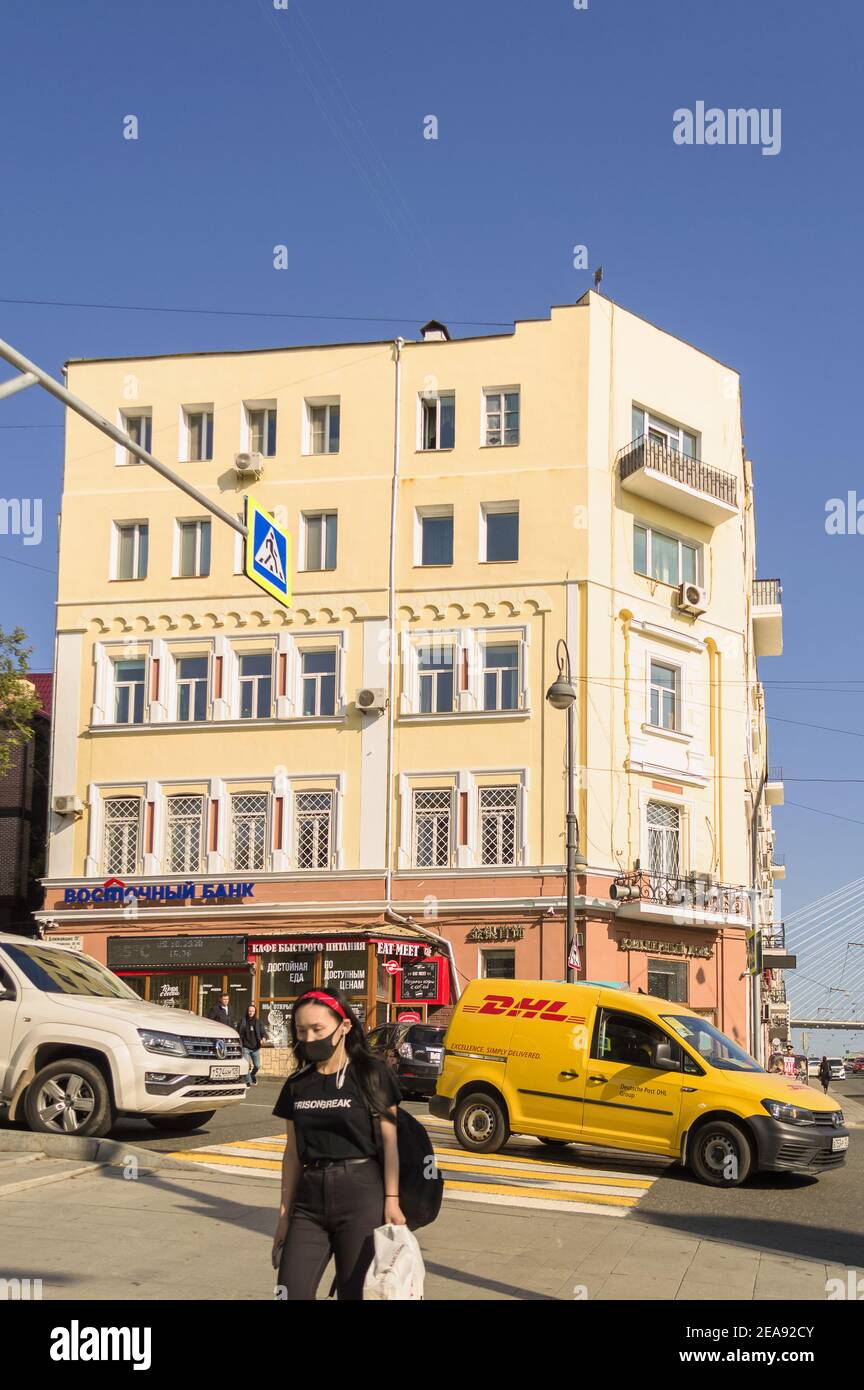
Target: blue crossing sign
x,y
268,553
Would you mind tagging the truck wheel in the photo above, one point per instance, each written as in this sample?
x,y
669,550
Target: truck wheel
x,y
181,1123
720,1154
69,1097
480,1124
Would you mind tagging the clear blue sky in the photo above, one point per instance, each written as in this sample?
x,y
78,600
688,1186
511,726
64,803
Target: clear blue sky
x,y
261,126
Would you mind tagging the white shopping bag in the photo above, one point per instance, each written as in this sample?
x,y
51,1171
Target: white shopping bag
x,y
397,1270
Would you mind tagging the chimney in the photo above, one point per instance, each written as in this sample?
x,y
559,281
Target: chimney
x,y
435,332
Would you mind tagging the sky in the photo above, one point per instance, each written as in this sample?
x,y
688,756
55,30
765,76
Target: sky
x,y
304,126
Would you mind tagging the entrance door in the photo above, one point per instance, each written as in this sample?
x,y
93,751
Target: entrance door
x,y
632,1092
210,987
237,984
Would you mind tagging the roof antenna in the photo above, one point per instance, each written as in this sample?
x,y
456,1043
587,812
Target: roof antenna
x,y
598,276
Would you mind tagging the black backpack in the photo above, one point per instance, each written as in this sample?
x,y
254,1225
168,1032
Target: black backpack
x,y
421,1186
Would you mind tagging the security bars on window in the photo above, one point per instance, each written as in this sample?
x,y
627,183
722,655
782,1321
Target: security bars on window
x,y
498,825
122,819
313,812
248,830
185,820
664,840
432,812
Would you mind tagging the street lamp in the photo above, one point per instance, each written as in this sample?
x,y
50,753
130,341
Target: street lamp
x,y
562,695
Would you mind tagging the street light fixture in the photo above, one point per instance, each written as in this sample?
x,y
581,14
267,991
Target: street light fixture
x,y
562,695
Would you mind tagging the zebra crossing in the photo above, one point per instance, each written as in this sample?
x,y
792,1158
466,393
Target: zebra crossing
x,y
523,1174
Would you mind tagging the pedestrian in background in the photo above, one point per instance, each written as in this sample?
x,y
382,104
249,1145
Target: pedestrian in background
x,y
339,1183
219,1013
825,1073
252,1034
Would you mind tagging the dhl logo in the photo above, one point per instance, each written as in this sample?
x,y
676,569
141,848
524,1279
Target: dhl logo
x,y
505,1004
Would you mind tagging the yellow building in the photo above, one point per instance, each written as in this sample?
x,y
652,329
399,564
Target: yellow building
x,y
582,477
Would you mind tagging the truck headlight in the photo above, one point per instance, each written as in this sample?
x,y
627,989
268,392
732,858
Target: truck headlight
x,y
162,1042
789,1114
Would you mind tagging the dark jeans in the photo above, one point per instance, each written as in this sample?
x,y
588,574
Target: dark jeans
x,y
335,1211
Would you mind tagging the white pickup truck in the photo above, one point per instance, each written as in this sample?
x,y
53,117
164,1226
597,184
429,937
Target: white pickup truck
x,y
78,1048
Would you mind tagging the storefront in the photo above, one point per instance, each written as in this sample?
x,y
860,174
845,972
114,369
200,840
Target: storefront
x,y
184,972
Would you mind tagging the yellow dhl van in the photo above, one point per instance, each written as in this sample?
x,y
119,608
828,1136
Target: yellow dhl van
x,y
583,1064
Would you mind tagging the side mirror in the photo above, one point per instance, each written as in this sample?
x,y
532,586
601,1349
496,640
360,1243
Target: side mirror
x,y
663,1058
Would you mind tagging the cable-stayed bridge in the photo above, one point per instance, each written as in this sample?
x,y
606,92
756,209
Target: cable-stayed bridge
x,y
826,991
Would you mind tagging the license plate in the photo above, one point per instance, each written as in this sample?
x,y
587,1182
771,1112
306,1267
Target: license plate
x,y
435,1054
224,1073
841,1142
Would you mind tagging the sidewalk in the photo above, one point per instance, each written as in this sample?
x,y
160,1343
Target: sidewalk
x,y
172,1232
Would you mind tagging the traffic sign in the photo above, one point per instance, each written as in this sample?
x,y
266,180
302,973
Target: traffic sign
x,y
268,553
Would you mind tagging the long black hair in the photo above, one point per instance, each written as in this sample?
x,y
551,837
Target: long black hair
x,y
367,1068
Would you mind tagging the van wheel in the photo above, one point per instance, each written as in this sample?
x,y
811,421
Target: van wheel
x,y
69,1097
480,1124
720,1154
182,1124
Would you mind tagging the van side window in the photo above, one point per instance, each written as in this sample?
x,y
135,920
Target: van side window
x,y
630,1040
7,985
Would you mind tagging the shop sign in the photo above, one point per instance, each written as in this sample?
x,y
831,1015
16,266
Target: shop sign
x,y
114,890
275,1019
283,976
281,946
71,943
666,948
424,982
346,971
412,949
409,1016
167,952
495,934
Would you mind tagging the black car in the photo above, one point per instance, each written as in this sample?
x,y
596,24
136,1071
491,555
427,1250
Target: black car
x,y
415,1051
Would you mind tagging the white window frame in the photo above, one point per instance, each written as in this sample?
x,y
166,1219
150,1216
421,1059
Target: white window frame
x,y
117,527
185,450
327,516
203,818
102,831
230,856
250,408
670,428
687,810
314,403
678,677
488,509
122,456
650,532
428,398
494,637
176,682
433,511
498,812
450,791
489,392
115,685
307,649
296,817
255,649
436,639
199,522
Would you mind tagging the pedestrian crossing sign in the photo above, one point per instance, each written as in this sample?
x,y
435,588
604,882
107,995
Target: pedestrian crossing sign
x,y
268,553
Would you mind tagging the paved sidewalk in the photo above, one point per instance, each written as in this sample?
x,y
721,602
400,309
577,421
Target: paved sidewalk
x,y
186,1233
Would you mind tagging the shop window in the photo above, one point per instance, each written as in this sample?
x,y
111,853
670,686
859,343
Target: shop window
x,y
498,965
667,979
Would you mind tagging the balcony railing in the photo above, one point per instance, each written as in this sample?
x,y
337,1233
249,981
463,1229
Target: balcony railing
x,y
767,593
679,468
695,892
774,774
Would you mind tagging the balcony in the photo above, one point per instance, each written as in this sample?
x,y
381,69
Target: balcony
x,y
778,866
774,786
695,899
672,479
767,612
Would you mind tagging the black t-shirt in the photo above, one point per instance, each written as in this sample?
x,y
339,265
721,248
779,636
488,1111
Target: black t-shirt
x,y
333,1123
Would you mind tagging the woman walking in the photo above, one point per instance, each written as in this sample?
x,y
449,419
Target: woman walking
x,y
252,1034
825,1073
338,1181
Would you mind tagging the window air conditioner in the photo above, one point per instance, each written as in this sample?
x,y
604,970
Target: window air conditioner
x,y
692,599
371,701
248,465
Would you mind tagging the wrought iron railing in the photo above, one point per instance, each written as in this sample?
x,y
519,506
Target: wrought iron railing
x,y
774,936
774,774
696,892
648,453
767,593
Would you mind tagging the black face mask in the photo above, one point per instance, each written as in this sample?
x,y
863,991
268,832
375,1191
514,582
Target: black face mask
x,y
321,1050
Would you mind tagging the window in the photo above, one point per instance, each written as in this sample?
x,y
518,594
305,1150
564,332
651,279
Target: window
x,y
256,686
319,682
500,531
438,421
435,537
498,825
664,701
664,433
322,427
631,1041
313,812
501,675
667,979
132,544
666,558
139,427
248,830
194,549
184,822
435,662
192,673
120,848
501,416
319,530
432,817
498,965
664,840
129,691
262,431
199,435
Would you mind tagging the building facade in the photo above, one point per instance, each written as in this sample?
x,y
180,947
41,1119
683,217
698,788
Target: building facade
x,y
238,813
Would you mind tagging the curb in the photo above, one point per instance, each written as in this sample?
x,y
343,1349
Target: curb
x,y
104,1152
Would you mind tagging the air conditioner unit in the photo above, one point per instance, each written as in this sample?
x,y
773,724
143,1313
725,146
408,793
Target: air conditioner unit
x,y
67,805
692,599
371,701
248,465
623,892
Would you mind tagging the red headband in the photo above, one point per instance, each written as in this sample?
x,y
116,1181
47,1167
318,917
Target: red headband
x,y
324,999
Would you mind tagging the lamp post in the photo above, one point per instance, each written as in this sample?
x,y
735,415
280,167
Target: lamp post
x,y
562,695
